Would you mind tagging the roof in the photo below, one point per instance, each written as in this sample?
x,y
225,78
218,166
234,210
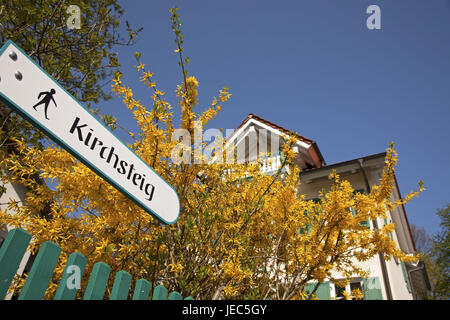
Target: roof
x,y
343,163
316,151
272,125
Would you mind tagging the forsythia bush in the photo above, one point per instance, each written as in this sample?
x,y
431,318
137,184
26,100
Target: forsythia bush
x,y
235,237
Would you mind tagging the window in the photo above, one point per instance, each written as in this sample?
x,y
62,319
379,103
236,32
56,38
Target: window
x,y
307,228
341,292
390,234
365,223
356,285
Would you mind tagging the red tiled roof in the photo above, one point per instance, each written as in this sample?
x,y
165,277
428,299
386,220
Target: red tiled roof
x,y
316,154
272,125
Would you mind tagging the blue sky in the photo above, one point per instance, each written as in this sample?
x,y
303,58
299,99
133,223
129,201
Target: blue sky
x,y
312,66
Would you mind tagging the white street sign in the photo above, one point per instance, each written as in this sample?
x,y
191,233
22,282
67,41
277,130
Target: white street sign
x,y
36,96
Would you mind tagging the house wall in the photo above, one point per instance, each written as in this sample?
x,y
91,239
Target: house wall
x,y
314,181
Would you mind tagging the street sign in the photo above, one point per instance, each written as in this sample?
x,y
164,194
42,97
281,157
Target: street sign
x,y
36,96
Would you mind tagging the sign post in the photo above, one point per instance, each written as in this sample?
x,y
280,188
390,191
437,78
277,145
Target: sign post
x,y
36,96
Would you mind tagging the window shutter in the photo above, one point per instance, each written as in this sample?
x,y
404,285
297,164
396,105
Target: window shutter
x,y
323,291
405,276
372,289
365,223
307,228
309,288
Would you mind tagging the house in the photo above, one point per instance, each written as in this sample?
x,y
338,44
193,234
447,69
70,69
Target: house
x,y
389,280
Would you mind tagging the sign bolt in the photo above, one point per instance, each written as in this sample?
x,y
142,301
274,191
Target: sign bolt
x,y
13,55
18,75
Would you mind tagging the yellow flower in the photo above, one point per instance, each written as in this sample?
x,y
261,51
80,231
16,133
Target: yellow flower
x,y
175,267
140,66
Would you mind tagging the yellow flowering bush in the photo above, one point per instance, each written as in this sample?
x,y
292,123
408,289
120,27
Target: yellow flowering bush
x,y
235,237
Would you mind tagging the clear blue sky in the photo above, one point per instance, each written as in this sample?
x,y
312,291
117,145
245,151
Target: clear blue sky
x,y
312,66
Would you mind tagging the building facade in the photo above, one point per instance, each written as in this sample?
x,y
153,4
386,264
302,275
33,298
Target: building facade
x,y
389,279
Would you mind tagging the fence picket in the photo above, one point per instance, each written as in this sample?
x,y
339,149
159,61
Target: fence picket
x,y
175,296
41,272
11,253
121,286
64,292
97,282
141,290
160,293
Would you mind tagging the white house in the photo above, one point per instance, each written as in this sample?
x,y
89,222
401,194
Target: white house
x,y
388,279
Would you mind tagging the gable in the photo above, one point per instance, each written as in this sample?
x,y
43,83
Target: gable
x,y
257,136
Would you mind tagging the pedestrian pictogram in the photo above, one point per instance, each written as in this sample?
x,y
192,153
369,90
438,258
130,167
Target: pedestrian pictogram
x,y
48,95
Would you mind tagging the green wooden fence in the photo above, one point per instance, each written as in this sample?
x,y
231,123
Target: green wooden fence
x,y
13,250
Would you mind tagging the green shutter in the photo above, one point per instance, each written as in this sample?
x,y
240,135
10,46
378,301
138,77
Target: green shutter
x,y
307,228
405,276
323,291
365,223
390,234
309,288
372,289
